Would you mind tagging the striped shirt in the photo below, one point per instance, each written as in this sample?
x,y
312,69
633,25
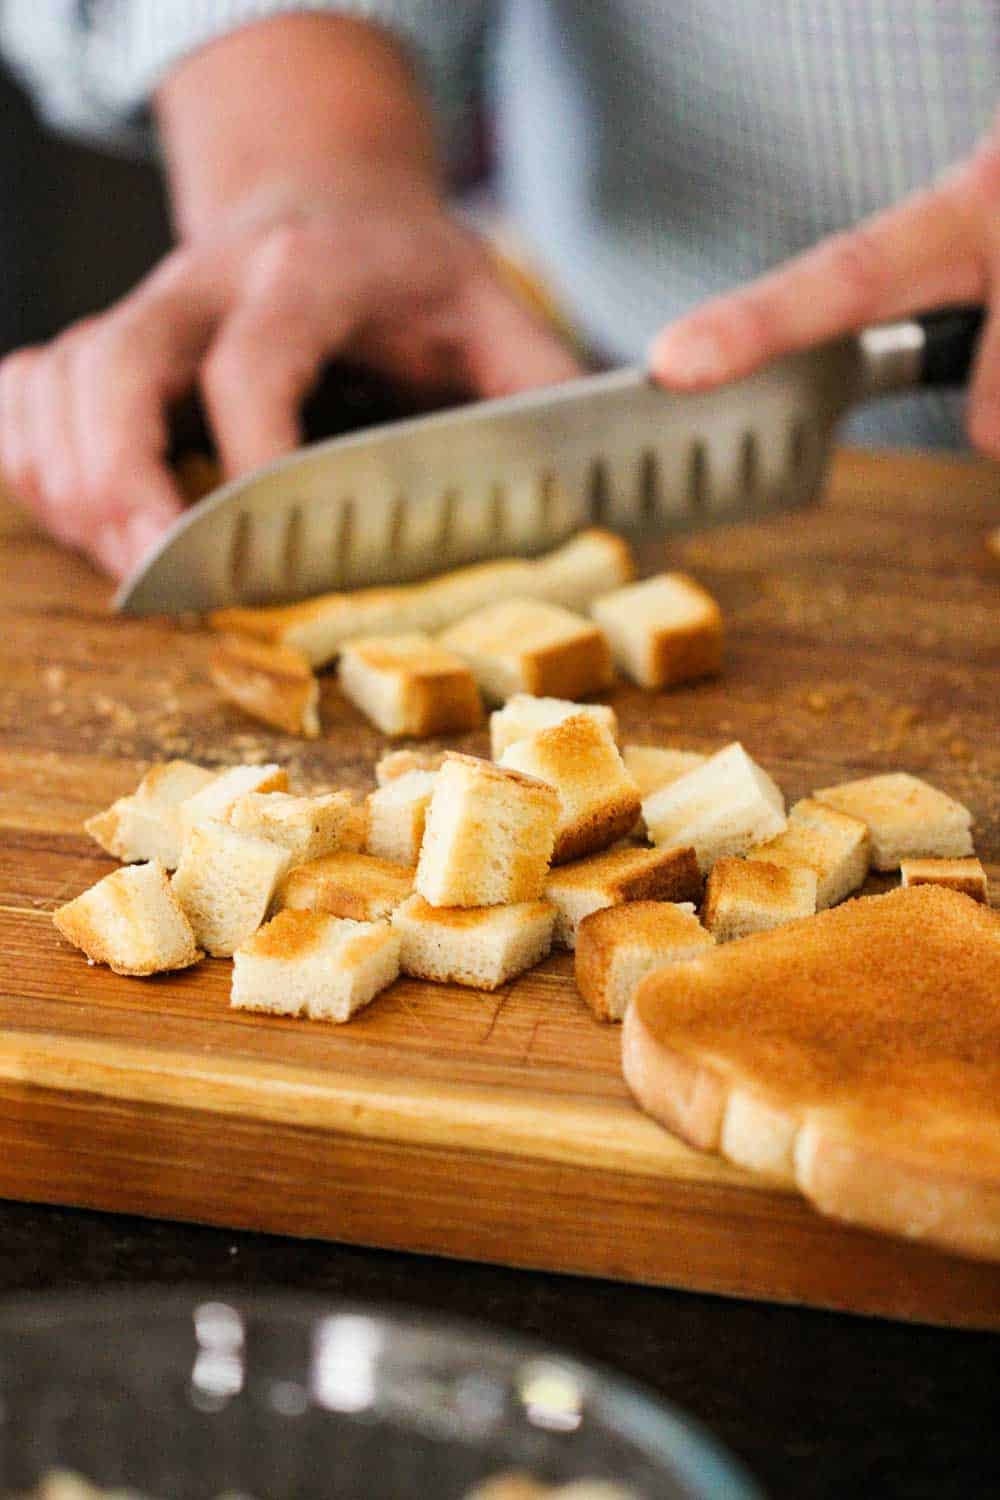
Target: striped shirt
x,y
651,152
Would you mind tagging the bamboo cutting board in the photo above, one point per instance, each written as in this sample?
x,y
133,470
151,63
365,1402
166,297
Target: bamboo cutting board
x,y
865,636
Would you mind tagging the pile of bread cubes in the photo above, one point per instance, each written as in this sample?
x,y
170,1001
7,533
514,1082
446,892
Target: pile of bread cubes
x,y
470,871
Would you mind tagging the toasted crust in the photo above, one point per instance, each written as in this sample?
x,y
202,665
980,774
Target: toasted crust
x,y
527,646
664,630
306,826
745,896
873,1032
617,946
598,801
523,715
347,885
409,684
319,627
311,963
272,683
965,875
399,762
617,876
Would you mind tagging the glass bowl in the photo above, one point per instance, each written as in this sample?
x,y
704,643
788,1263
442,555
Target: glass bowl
x,y
185,1396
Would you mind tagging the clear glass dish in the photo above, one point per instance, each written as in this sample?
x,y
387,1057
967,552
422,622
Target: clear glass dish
x,y
185,1396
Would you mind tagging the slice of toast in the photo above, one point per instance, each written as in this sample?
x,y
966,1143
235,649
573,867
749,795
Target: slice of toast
x,y
272,683
306,826
855,1054
724,806
225,882
837,848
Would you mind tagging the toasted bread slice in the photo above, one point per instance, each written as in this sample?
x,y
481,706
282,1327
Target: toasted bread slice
x,y
146,825
225,882
618,946
617,876
524,715
408,684
725,806
398,762
483,946
132,922
215,801
855,1054
272,683
663,631
744,896
397,813
836,847
524,646
309,963
598,800
906,817
572,574
306,826
965,875
347,885
488,837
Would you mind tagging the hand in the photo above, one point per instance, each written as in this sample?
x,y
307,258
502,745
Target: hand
x,y
937,247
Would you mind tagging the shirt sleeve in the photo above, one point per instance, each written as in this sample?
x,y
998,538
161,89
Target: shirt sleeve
x,y
93,65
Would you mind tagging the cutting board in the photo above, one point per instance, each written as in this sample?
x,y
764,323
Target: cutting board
x,y
864,636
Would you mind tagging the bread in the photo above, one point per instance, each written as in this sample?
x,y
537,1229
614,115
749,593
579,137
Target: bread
x,y
271,683
225,882
837,848
483,946
652,766
346,885
408,684
146,825
906,817
354,829
398,762
396,816
663,631
488,837
855,1054
725,806
217,798
744,896
523,646
306,826
598,801
574,574
616,876
130,921
523,715
965,875
618,946
309,963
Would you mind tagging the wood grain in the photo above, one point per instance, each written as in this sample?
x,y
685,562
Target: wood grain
x,y
864,635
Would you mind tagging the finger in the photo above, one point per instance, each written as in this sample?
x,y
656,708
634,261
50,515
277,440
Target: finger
x,y
506,348
924,252
17,463
49,417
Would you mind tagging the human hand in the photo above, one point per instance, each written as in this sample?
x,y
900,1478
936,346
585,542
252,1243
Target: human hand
x,y
938,247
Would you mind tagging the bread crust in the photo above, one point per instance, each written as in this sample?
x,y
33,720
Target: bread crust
x,y
271,683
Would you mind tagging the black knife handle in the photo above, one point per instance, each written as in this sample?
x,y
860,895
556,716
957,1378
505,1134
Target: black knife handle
x,y
951,340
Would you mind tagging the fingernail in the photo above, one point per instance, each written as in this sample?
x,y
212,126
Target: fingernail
x,y
688,358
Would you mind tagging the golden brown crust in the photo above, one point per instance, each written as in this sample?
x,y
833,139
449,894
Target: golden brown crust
x,y
467,918
757,881
573,668
346,884
597,828
502,775
289,935
656,926
687,653
635,875
964,875
272,683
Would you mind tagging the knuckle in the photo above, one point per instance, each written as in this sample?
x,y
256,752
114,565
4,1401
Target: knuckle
x,y
282,251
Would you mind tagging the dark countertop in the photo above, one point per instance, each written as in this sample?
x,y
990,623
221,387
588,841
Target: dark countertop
x,y
816,1404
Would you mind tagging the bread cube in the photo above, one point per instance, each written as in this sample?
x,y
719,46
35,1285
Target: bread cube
x,y
488,837
306,826
409,684
906,817
965,875
347,885
216,799
308,963
663,631
396,816
353,835
592,563
483,946
398,762
524,646
835,846
130,921
272,683
598,800
523,715
617,946
146,825
617,876
744,896
225,882
725,806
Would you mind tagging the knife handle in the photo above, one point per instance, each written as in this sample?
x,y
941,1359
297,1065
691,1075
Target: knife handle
x,y
951,338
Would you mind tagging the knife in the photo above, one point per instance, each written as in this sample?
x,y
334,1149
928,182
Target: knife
x,y
520,474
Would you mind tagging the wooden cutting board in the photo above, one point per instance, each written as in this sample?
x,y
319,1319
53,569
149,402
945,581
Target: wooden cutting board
x,y
865,635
